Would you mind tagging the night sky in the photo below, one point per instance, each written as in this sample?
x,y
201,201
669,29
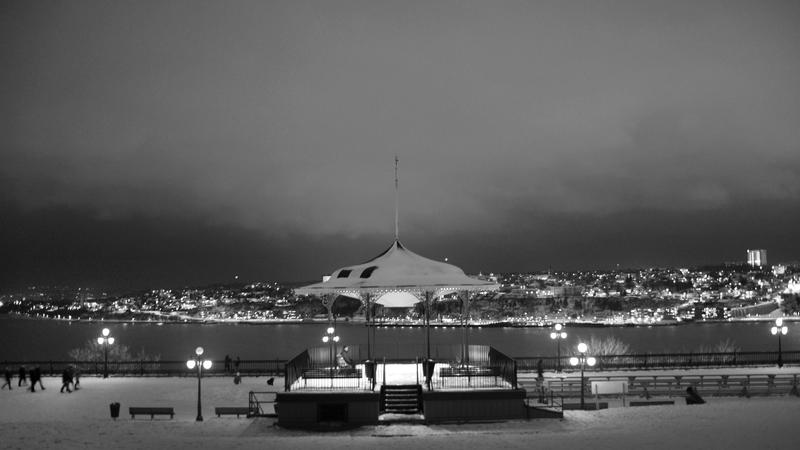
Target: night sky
x,y
171,143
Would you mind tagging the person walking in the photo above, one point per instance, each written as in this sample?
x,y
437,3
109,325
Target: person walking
x,y
227,363
8,374
77,372
36,377
540,380
236,363
23,376
66,379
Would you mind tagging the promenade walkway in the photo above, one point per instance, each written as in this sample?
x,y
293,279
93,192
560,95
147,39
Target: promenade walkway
x,y
51,420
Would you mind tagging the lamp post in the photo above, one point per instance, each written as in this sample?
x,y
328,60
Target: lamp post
x,y
200,364
557,335
583,360
331,339
105,340
779,329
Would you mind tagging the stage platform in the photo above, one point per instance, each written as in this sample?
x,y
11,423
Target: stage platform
x,y
445,378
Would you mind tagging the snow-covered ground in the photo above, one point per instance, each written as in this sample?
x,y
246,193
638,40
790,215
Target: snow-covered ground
x,y
49,419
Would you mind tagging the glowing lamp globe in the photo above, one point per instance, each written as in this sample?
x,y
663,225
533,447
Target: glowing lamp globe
x,y
207,364
573,361
191,363
582,347
325,339
111,339
559,327
591,361
198,351
553,335
106,331
101,339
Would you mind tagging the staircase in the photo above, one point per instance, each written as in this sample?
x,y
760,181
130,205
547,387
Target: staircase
x,y
401,399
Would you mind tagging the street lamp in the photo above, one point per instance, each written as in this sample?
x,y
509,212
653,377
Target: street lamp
x,y
583,360
201,364
779,329
557,335
105,340
331,339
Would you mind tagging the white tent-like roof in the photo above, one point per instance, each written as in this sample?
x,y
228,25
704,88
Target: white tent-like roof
x,y
397,270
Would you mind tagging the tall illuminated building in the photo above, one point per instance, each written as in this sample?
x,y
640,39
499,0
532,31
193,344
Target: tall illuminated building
x,y
757,258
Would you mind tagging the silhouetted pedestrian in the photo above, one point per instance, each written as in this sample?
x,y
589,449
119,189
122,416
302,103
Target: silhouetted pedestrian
x,y
36,377
540,380
66,379
23,376
8,374
227,363
77,373
236,363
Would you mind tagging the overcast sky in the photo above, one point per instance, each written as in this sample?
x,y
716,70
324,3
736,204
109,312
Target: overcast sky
x,y
161,143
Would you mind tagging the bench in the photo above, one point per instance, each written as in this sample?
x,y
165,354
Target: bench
x,y
231,410
152,411
651,402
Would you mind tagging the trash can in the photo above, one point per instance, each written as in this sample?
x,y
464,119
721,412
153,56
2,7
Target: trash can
x,y
114,410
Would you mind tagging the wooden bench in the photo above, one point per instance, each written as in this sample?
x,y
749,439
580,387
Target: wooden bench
x,y
231,410
152,411
652,402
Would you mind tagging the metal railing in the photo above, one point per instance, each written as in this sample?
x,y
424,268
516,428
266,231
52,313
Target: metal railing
x,y
474,366
665,360
649,386
253,367
261,404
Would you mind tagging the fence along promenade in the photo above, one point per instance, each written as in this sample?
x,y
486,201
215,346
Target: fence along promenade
x,y
272,367
644,361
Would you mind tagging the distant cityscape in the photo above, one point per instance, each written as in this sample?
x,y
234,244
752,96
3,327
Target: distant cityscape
x,y
731,291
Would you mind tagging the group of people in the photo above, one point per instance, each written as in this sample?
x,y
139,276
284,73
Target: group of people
x,y
71,375
35,376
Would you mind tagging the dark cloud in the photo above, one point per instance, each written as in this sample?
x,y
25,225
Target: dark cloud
x,y
522,128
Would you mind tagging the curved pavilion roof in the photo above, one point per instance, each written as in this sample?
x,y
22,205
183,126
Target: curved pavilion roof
x,y
397,270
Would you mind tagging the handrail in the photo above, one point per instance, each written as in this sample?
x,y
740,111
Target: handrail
x,y
666,360
253,367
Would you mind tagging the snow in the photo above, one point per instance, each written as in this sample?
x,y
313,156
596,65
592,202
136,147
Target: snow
x,y
48,419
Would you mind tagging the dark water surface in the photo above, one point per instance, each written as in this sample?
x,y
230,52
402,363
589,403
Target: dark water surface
x,y
29,339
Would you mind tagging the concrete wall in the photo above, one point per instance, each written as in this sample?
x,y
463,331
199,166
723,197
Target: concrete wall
x,y
465,406
310,410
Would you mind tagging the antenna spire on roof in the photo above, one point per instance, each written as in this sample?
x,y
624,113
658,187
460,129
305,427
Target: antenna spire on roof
x,y
396,202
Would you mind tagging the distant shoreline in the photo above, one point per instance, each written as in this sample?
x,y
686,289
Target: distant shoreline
x,y
498,324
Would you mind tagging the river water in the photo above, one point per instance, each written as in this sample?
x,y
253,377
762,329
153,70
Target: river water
x,y
30,339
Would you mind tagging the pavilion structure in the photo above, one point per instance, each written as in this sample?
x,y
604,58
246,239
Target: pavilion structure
x,y
397,270
474,383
